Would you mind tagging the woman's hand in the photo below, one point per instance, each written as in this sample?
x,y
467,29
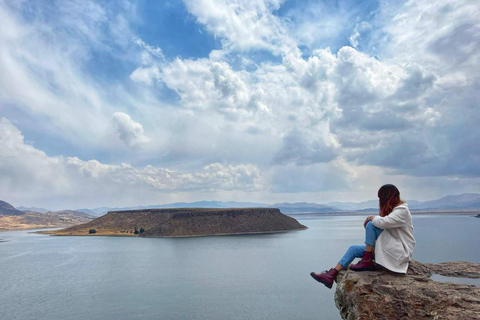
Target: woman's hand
x,y
370,218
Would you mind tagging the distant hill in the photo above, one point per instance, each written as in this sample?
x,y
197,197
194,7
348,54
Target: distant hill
x,y
68,215
212,204
354,206
304,207
183,222
198,204
35,209
36,220
289,208
461,201
8,210
97,211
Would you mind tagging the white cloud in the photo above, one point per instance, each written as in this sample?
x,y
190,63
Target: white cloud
x,y
243,25
309,106
148,75
203,84
129,131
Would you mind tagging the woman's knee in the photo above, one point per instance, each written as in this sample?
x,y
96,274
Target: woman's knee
x,y
369,225
356,249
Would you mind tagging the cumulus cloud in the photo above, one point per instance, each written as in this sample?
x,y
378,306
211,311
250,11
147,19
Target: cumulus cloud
x,y
312,106
209,85
129,131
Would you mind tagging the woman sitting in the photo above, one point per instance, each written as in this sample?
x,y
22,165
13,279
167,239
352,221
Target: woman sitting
x,y
390,234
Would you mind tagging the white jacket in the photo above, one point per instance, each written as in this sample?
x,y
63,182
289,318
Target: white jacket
x,y
394,246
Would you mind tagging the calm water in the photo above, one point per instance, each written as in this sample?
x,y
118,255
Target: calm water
x,y
230,277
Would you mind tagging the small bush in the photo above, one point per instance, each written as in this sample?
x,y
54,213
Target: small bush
x,y
92,231
142,230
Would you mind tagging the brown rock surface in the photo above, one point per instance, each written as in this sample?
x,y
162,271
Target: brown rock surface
x,y
385,295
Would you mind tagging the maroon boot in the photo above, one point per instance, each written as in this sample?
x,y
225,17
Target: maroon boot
x,y
366,264
326,277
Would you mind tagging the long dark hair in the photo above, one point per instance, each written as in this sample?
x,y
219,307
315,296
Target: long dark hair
x,y
389,198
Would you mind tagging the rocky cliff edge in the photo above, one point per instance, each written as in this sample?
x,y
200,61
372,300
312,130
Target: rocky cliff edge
x,y
385,295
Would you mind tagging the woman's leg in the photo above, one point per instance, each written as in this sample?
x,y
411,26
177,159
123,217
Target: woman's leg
x,y
328,277
353,252
371,235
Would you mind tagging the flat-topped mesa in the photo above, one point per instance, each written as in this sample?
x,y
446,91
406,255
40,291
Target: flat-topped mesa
x,y
185,222
383,295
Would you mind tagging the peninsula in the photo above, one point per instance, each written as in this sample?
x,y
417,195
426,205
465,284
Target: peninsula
x,y
13,219
185,222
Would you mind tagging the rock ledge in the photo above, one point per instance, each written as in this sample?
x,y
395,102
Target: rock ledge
x,y
385,295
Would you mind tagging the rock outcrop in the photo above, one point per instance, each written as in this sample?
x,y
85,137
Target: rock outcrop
x,y
384,295
186,222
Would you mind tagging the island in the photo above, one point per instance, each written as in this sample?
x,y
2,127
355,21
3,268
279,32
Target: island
x,y
185,222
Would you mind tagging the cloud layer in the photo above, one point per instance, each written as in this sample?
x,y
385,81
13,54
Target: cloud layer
x,y
299,101
30,173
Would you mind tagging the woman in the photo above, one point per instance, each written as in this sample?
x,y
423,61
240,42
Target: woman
x,y
390,233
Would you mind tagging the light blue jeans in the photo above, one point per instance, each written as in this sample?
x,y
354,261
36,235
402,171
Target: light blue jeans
x,y
356,251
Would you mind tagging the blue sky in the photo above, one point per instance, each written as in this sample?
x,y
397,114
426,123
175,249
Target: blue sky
x,y
147,102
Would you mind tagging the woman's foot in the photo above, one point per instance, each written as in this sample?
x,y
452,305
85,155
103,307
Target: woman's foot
x,y
327,277
366,264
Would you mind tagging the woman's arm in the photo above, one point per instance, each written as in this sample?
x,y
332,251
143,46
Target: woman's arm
x,y
397,218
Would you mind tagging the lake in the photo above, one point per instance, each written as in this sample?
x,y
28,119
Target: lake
x,y
220,277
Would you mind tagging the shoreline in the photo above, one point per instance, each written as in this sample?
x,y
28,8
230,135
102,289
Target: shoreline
x,y
37,227
186,236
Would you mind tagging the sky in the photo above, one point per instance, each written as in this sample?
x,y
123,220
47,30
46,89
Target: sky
x,y
122,103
